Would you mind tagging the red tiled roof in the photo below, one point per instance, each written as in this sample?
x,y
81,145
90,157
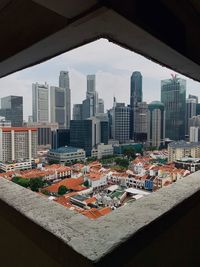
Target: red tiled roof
x,y
90,200
70,183
95,213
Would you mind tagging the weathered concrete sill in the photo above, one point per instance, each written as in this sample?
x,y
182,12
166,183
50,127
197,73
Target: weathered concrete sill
x,y
71,239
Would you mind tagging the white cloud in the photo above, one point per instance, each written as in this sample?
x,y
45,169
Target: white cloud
x,y
112,65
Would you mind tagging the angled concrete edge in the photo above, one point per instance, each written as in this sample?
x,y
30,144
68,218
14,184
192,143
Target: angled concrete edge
x,y
95,240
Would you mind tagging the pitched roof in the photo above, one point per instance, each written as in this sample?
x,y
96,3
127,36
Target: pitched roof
x,y
70,183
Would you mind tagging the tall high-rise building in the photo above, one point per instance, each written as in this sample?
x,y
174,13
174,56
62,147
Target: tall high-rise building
x,y
198,109
135,98
18,143
60,138
136,88
66,93
44,133
64,79
194,134
173,96
121,122
92,94
156,124
193,97
40,102
87,134
190,112
91,85
77,111
12,109
194,121
60,99
100,105
140,121
87,108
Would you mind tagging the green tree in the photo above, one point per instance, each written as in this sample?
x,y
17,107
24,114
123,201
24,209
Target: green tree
x,y
122,162
53,161
36,183
62,190
129,152
21,181
45,192
86,183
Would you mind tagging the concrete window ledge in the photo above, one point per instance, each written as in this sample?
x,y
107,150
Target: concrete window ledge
x,y
162,229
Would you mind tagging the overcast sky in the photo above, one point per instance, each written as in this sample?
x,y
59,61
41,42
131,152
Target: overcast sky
x,y
112,65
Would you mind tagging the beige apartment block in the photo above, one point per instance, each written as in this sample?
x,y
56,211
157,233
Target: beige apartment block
x,y
18,143
181,149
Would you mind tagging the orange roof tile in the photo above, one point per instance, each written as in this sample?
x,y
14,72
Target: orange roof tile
x,y
70,183
90,200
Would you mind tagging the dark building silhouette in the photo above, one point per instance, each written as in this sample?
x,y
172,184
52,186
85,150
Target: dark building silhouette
x,y
60,138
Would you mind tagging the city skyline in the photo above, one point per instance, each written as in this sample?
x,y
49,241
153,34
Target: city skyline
x,y
112,66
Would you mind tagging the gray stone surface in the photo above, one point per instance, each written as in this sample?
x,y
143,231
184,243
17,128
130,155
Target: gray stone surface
x,y
96,238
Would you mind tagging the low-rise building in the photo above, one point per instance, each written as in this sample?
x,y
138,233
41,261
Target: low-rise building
x,y
52,173
66,154
181,149
14,166
4,122
97,180
191,164
102,151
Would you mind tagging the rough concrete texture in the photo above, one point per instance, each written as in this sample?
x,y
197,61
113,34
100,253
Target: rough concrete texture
x,y
94,239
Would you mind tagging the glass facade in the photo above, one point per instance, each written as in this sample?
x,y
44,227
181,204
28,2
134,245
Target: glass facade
x,y
136,88
173,96
104,132
12,110
60,138
81,135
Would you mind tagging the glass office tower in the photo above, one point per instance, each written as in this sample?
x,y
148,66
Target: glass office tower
x,y
173,96
136,88
12,109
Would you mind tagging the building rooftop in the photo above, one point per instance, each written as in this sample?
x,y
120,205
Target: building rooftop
x,y
183,144
65,149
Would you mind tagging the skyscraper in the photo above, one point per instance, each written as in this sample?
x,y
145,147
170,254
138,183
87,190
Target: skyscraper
x,y
87,134
40,102
88,108
91,85
121,122
100,105
77,111
140,121
193,97
190,112
64,83
92,94
135,98
12,109
173,96
64,79
156,124
60,106
136,88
